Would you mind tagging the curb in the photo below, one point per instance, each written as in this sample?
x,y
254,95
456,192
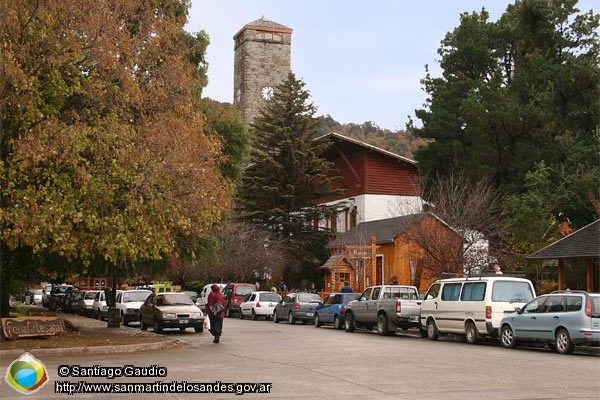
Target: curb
x,y
125,348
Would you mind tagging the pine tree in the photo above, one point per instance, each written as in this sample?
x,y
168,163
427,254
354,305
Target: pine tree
x,y
288,177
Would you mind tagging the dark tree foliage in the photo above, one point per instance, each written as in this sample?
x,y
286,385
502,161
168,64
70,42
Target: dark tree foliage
x,y
288,176
514,93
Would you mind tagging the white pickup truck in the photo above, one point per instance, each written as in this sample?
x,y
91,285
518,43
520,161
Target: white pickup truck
x,y
387,306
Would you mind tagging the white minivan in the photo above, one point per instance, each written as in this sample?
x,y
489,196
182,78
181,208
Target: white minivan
x,y
472,306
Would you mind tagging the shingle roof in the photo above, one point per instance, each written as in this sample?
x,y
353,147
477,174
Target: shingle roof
x,y
385,230
582,243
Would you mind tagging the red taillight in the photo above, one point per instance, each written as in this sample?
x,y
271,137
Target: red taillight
x,y
398,306
588,308
343,310
257,304
297,306
488,312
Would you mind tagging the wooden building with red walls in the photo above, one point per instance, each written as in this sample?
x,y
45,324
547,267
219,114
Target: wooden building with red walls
x,y
376,183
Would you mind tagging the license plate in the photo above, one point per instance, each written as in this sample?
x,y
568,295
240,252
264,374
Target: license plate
x,y
309,314
183,321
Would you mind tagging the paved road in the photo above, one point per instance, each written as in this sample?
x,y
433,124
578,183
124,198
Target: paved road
x,y
303,362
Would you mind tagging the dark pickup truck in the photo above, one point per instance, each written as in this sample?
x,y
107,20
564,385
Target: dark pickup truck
x,y
387,306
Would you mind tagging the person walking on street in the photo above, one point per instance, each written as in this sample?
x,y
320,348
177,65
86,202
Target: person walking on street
x,y
215,309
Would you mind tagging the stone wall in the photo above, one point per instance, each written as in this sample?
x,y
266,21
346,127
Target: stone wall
x,y
262,59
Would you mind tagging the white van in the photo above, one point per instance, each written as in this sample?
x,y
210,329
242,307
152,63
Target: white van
x,y
203,295
472,306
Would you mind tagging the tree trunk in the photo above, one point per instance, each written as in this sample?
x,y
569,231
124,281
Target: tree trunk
x,y
4,282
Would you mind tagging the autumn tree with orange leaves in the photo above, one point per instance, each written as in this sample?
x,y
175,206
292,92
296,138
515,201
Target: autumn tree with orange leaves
x,y
104,154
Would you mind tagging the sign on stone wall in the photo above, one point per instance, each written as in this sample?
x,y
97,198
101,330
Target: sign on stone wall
x,y
14,328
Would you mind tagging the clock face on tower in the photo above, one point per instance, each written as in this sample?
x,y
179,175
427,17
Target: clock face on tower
x,y
267,93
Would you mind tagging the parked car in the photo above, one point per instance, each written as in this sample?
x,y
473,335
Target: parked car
x,y
234,294
86,302
193,295
170,310
100,307
57,295
203,295
259,304
38,295
71,302
563,320
297,307
473,306
331,312
388,307
129,303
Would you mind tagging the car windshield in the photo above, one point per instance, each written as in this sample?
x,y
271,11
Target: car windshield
x,y
135,296
309,298
243,290
176,299
512,291
90,295
270,297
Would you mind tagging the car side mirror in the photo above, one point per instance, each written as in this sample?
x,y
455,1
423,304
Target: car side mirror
x,y
519,310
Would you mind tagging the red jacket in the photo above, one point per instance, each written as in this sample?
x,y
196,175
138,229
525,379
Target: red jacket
x,y
213,297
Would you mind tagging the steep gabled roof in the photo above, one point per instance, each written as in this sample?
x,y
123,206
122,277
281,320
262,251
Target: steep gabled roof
x,y
338,137
582,243
384,230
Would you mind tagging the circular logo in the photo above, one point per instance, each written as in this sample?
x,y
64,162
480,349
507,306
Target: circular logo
x,y
26,374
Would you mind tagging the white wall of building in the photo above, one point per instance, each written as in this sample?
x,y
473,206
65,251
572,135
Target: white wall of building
x,y
371,207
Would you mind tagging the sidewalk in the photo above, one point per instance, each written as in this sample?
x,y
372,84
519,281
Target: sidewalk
x,y
88,336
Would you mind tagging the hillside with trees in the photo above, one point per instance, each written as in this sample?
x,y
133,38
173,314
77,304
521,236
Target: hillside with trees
x,y
400,142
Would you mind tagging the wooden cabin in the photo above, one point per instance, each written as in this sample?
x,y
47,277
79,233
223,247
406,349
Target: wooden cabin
x,y
411,249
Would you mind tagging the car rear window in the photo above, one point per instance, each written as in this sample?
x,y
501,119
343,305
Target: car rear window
x,y
309,298
243,290
269,297
512,291
595,300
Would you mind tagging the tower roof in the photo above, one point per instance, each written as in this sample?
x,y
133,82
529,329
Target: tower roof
x,y
264,24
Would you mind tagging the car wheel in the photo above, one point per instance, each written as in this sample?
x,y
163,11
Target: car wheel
x,y
98,315
143,326
337,322
157,328
199,328
563,342
124,320
275,319
254,316
471,333
241,314
432,330
291,318
507,337
349,322
317,321
382,325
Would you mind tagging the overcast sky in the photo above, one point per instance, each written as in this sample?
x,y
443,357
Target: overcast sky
x,y
361,60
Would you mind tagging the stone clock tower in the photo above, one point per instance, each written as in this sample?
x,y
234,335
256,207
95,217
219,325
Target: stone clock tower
x,y
262,61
